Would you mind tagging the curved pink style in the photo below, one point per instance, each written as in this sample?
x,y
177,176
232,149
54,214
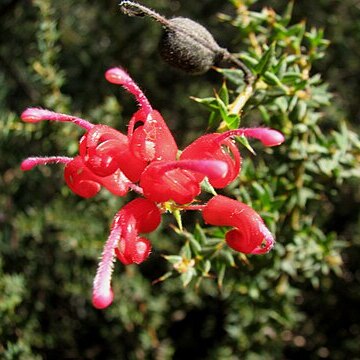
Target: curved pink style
x,y
34,115
138,216
149,136
31,162
250,235
268,137
119,76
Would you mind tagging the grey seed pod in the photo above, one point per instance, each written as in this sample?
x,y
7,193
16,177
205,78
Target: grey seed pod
x,y
187,45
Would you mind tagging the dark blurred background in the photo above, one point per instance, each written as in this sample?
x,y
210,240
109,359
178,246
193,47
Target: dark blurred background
x,y
54,54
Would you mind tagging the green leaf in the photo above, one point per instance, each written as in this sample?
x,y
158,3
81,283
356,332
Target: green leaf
x,y
224,94
232,121
214,120
187,276
163,277
229,257
266,60
173,259
207,267
199,234
186,251
264,113
272,79
291,77
195,245
287,14
209,102
235,76
244,141
177,216
206,186
250,62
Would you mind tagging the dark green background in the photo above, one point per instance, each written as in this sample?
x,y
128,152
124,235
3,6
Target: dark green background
x,y
47,262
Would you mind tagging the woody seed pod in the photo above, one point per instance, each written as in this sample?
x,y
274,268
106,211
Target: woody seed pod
x,y
187,45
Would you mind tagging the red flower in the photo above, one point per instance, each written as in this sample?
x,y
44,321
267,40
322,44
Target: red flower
x,y
250,235
145,160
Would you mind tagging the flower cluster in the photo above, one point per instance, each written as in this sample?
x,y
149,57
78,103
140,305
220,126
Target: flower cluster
x,y
147,161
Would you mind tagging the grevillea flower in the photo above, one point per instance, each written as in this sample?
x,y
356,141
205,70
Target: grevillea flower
x,y
146,161
250,235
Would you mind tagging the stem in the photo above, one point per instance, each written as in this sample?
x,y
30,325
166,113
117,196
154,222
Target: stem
x,y
248,76
193,207
131,8
240,101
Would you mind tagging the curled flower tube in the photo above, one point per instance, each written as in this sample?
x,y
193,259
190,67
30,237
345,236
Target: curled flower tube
x,y
80,179
138,216
105,150
209,147
86,184
149,137
250,235
162,181
102,151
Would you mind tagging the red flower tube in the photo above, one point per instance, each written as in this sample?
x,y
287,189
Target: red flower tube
x,y
250,235
105,150
86,184
162,181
